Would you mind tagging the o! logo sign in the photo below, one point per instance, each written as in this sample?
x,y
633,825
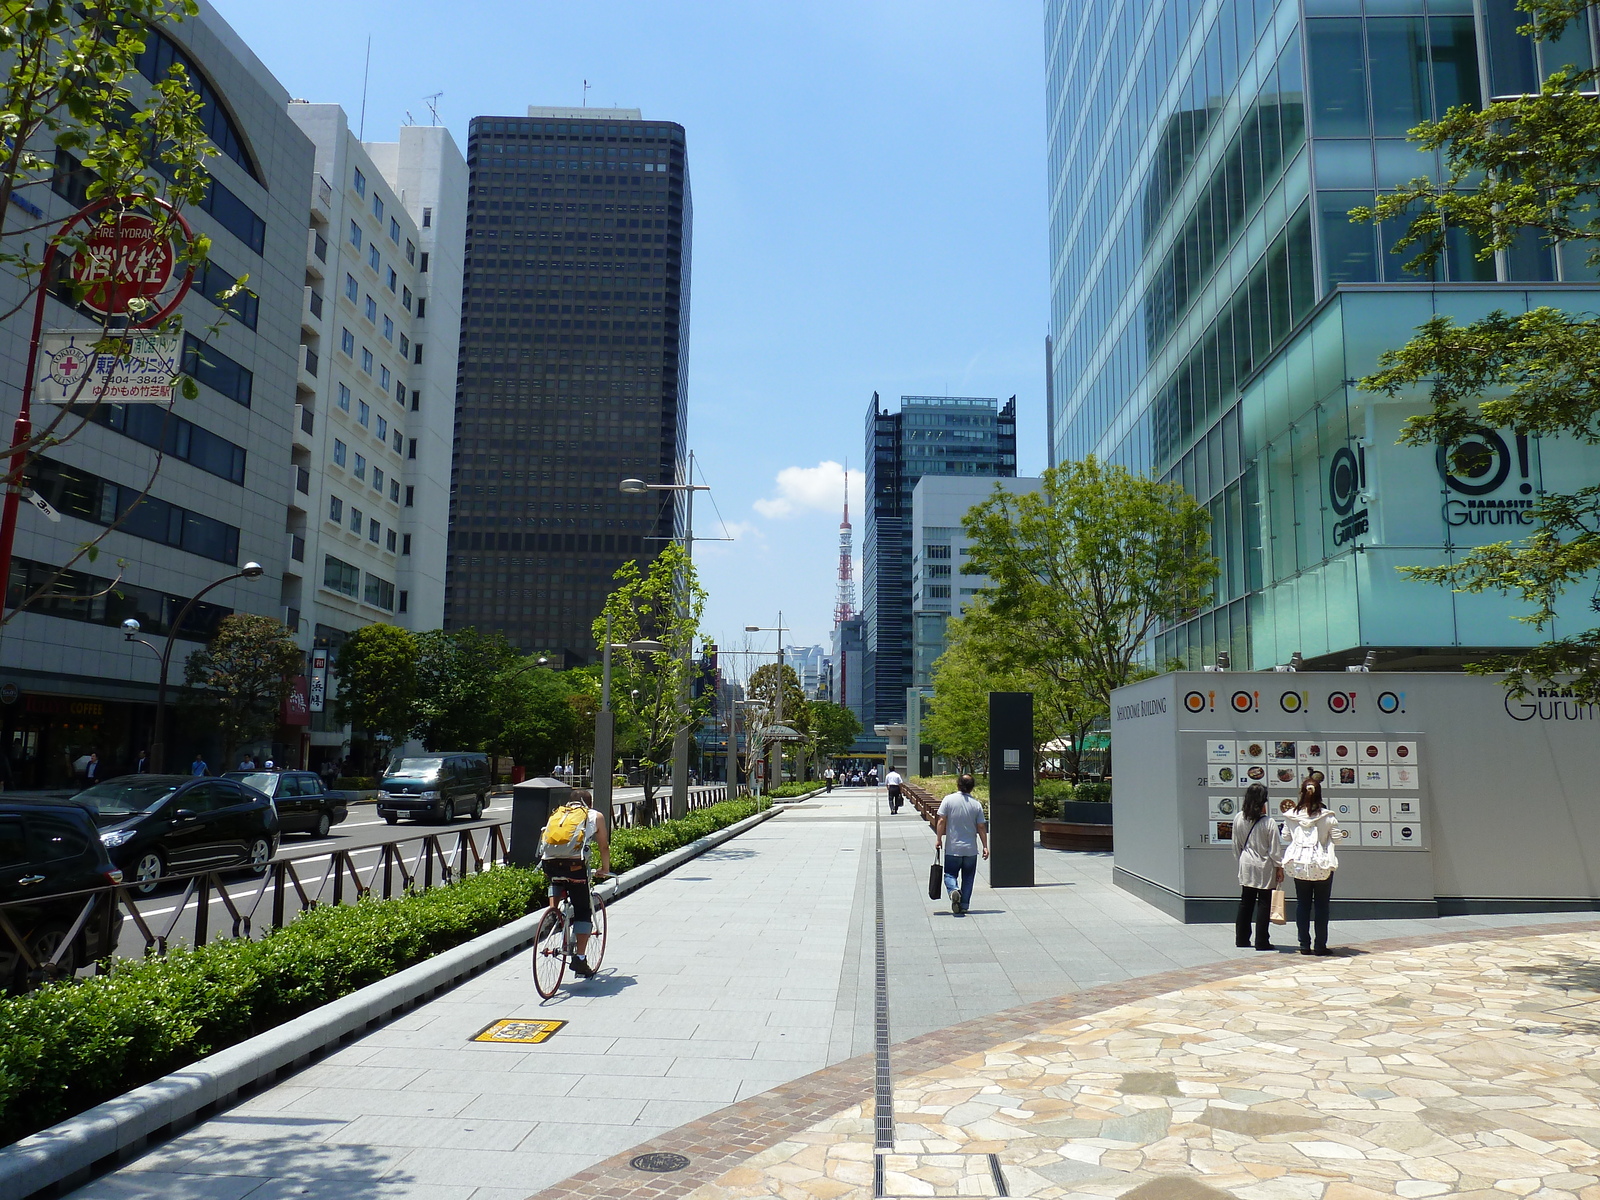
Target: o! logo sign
x,y
1244,702
1341,702
1392,702
1195,702
1291,702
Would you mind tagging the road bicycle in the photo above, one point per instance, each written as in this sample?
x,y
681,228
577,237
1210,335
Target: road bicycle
x,y
555,941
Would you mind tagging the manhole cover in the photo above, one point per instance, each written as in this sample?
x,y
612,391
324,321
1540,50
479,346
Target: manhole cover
x,y
658,1162
508,1030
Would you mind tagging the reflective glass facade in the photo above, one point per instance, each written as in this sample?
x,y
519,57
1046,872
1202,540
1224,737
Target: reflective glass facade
x,y
1211,300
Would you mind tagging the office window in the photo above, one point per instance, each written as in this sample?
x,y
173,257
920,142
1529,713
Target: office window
x,y
383,378
340,452
379,592
422,307
210,366
411,500
405,544
400,393
372,310
405,297
366,360
418,358
383,429
152,425
405,598
361,466
411,448
424,267
347,342
340,576
394,491
391,541
335,510
411,249
356,518
351,289
234,215
215,282
377,207
373,530
363,413
377,479
427,217
394,231
405,342
360,182
374,259
388,329
394,279
355,234
416,400
344,397
397,441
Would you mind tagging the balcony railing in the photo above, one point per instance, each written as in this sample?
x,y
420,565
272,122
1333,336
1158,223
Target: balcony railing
x,y
324,192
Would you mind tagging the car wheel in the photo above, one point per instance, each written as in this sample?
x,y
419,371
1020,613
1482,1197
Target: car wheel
x,y
447,812
477,808
43,946
260,856
149,868
324,825
391,818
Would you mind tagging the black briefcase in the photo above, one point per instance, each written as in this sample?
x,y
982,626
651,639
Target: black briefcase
x,y
935,876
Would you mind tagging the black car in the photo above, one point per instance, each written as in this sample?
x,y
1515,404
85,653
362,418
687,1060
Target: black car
x,y
47,851
435,787
305,805
159,825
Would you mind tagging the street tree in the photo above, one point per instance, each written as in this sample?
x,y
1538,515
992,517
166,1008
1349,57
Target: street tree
x,y
834,728
80,114
1521,170
763,688
377,668
1085,569
650,692
239,681
456,674
533,717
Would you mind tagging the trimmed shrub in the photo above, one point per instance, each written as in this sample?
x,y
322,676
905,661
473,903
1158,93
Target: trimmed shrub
x,y
70,1045
1095,791
797,788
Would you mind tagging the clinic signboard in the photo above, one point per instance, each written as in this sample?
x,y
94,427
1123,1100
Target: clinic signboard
x,y
1457,797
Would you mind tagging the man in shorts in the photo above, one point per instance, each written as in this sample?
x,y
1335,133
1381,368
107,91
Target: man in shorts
x,y
564,855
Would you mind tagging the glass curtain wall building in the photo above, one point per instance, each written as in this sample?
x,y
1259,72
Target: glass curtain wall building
x,y
574,353
1212,304
930,435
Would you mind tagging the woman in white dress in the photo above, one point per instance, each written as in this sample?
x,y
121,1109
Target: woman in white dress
x,y
1310,860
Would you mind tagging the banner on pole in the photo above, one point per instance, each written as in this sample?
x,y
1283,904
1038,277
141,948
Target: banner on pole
x,y
138,368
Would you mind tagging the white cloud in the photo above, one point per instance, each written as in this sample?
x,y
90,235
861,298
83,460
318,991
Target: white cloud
x,y
811,489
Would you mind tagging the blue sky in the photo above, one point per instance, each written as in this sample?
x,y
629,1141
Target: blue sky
x,y
869,196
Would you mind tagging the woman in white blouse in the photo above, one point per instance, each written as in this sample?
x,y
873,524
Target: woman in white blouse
x,y
1310,860
1258,848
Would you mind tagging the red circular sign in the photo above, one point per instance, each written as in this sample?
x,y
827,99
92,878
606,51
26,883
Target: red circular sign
x,y
125,258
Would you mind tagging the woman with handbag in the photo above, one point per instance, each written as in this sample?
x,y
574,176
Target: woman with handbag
x,y
1310,860
1258,847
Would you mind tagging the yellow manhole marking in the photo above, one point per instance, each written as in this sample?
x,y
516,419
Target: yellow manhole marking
x,y
518,1031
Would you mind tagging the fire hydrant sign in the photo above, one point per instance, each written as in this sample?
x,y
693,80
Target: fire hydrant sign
x,y
130,257
125,370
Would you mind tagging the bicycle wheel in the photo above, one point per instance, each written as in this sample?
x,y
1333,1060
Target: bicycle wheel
x,y
597,939
550,952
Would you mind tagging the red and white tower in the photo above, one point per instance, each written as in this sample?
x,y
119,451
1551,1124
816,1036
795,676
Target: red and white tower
x,y
845,605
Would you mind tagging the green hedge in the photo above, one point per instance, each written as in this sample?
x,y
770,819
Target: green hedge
x,y
71,1045
796,789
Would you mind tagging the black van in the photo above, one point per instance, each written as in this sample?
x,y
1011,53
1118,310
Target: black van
x,y
435,787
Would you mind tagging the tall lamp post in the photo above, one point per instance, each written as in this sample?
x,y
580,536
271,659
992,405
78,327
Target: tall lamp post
x,y
130,630
777,706
605,722
679,804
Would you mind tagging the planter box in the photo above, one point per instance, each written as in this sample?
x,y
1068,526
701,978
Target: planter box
x,y
1086,812
1074,835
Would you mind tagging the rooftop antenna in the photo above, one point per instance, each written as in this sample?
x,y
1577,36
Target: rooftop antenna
x,y
433,106
586,93
366,72
410,120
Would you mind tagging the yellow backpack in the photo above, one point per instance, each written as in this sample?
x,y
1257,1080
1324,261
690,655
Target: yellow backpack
x,y
564,834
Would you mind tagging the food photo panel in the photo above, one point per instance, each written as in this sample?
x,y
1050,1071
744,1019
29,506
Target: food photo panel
x,y
1372,753
1341,751
1404,777
1312,754
1219,752
1281,751
1374,808
1252,750
1222,775
1222,808
1374,777
1405,808
1403,754
1339,777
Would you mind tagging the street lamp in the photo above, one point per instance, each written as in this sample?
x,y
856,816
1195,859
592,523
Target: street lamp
x,y
679,804
130,629
777,707
605,722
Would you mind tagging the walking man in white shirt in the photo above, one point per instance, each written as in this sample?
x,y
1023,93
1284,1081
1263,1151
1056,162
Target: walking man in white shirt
x,y
961,827
894,781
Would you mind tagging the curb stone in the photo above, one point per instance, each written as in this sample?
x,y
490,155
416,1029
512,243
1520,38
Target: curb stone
x,y
74,1150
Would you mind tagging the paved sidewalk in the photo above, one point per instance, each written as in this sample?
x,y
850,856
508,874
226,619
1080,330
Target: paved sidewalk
x,y
747,968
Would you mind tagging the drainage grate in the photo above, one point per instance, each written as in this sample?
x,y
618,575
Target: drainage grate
x,y
883,1083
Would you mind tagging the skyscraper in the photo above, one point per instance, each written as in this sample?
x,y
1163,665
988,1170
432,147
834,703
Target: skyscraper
x,y
1213,305
930,435
574,351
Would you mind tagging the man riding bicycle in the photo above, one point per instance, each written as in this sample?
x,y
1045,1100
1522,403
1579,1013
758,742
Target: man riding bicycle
x,y
564,854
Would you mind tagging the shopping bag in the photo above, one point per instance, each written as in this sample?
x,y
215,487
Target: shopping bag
x,y
935,876
1277,908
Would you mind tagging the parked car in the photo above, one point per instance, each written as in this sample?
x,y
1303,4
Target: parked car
x,y
47,850
158,825
305,805
435,786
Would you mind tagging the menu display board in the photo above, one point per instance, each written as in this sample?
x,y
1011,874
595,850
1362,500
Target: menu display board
x,y
1372,785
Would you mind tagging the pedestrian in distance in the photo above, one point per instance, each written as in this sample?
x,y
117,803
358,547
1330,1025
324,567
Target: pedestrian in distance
x,y
1258,847
961,827
91,769
1310,860
142,767
198,766
894,781
828,778
872,776
247,763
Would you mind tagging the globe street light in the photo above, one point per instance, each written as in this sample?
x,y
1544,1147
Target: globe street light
x,y
130,630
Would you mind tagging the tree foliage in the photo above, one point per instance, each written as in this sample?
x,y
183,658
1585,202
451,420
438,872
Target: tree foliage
x,y
763,686
535,720
1084,570
457,674
377,668
834,728
242,678
650,692
1520,168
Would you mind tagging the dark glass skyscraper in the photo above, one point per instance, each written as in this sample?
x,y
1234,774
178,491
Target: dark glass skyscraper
x,y
930,435
574,352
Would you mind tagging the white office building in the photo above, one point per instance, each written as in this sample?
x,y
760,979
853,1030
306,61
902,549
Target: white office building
x,y
375,412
